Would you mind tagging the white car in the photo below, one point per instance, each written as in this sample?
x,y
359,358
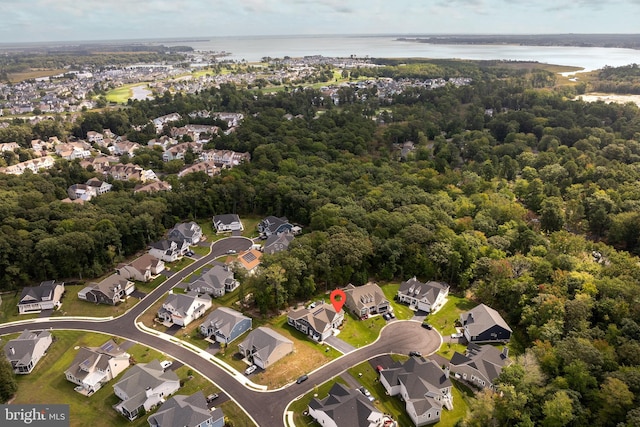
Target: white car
x,y
456,335
166,363
250,370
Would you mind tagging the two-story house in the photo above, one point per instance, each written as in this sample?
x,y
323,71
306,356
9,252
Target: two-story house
x,y
428,297
225,325
318,321
215,281
112,290
95,366
46,296
182,309
366,300
26,351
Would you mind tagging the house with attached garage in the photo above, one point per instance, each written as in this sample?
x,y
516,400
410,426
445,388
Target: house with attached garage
x,y
46,296
189,232
225,325
143,387
182,309
187,411
93,367
277,243
215,281
142,268
26,351
263,347
250,260
227,222
274,225
480,365
168,250
483,324
429,296
424,387
112,290
318,321
366,300
345,407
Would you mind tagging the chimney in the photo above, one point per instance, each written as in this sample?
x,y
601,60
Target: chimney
x,y
505,352
12,351
446,372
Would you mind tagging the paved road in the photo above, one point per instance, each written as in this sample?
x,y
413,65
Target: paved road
x,y
266,408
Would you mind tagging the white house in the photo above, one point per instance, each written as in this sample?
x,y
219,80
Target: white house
x,y
182,309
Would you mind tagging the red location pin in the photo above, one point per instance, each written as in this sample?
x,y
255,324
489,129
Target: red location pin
x,y
338,298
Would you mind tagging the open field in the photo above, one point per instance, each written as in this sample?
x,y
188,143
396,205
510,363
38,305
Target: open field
x,y
610,97
444,320
121,95
34,74
47,384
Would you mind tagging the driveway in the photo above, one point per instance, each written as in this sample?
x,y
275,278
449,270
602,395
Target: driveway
x,y
339,345
420,316
138,294
174,329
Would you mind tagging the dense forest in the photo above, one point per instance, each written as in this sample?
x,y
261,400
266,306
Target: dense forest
x,y
523,199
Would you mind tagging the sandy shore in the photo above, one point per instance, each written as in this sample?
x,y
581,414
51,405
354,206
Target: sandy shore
x,y
610,97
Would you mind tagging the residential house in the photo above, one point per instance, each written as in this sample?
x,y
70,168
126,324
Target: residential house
x,y
209,168
100,187
366,300
9,146
186,411
483,324
168,250
225,158
93,367
250,259
144,386
112,290
232,119
46,296
188,231
263,347
122,172
72,151
428,297
424,387
274,225
277,243
317,321
480,365
95,137
159,122
177,152
152,187
25,351
182,309
345,408
227,222
125,147
99,164
215,281
142,269
34,165
164,142
225,325
93,187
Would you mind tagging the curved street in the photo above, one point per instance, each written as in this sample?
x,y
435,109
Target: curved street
x,y
266,408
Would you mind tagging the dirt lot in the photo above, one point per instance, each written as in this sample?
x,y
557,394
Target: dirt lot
x,y
610,97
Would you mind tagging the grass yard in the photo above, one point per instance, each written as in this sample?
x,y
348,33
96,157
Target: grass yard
x,y
307,356
444,320
179,264
147,287
401,311
74,306
9,308
47,384
360,333
447,349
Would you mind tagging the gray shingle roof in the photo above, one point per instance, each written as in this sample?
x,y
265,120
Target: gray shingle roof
x,y
482,317
224,319
416,289
184,411
347,408
21,349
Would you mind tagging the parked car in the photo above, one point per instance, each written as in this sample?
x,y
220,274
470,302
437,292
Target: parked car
x,y
386,316
302,379
415,353
212,397
190,253
393,316
456,335
250,370
427,326
231,251
166,363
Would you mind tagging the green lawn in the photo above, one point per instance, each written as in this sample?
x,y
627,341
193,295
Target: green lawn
x,y
47,384
74,306
179,264
9,309
447,349
147,287
401,311
360,333
444,320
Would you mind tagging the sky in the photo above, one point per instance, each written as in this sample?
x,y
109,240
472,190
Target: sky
x,y
67,20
